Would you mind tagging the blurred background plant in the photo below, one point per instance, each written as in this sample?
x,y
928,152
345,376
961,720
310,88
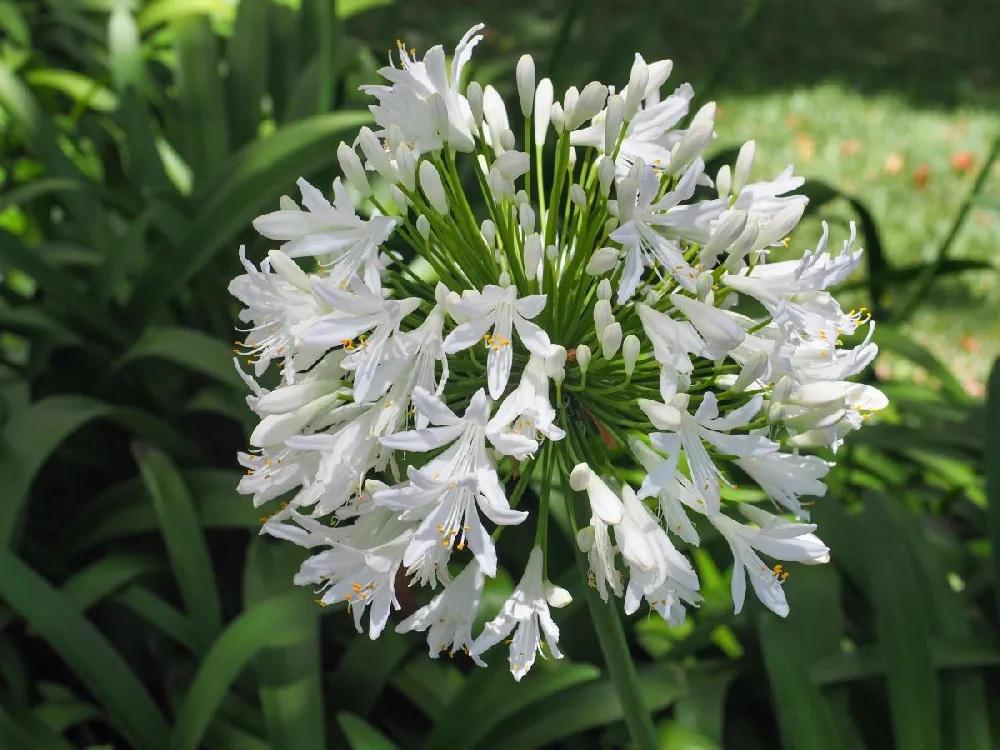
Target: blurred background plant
x,y
139,609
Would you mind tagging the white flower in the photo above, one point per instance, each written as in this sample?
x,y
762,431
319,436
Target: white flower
x,y
775,537
657,571
672,488
527,411
786,477
603,502
498,309
449,616
595,542
687,431
330,229
527,611
423,101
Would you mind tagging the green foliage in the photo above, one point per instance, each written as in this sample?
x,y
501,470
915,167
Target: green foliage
x,y
137,605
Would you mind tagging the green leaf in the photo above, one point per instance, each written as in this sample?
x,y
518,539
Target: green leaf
x,y
490,698
182,535
274,622
85,91
23,729
33,434
955,653
188,348
202,98
125,513
804,715
367,667
85,650
350,8
166,618
703,708
248,184
889,339
903,628
165,11
361,735
19,195
24,114
288,677
247,69
993,474
582,707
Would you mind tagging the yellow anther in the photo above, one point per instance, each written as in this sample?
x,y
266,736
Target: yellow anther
x,y
320,602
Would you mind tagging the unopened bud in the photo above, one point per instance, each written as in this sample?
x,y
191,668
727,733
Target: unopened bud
x,y
526,83
551,252
489,232
744,166
583,356
611,339
602,261
507,141
556,596
637,80
406,163
578,196
697,137
543,110
606,175
579,478
289,270
630,353
613,122
604,289
611,225
474,94
571,156
430,183
526,218
423,226
558,118
495,112
570,98
354,172
532,255
375,154
591,101
728,230
753,370
399,198
724,181
603,317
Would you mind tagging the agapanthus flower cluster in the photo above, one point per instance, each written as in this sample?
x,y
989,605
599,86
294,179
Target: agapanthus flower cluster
x,y
531,291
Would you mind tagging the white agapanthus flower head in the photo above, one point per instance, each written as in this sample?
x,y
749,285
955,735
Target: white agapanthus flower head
x,y
482,336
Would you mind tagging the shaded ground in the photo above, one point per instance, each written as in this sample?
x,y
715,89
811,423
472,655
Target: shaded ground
x,y
895,101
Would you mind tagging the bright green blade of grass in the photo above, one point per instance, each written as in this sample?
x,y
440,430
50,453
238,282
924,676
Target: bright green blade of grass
x,y
901,620
26,117
277,621
247,185
288,677
182,535
85,650
189,348
248,62
993,474
204,130
361,735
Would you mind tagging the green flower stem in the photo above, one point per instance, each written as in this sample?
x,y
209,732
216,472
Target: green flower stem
x,y
617,658
542,532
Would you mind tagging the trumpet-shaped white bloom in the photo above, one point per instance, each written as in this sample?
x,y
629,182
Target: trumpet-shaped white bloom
x,y
449,616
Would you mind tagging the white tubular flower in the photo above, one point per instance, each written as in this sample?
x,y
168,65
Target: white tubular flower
x,y
449,617
775,537
389,439
498,309
408,102
527,612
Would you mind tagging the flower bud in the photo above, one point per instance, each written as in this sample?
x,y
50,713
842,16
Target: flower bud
x,y
551,253
583,356
495,112
543,110
439,116
375,154
579,478
611,225
744,165
556,596
753,370
630,353
526,218
525,74
399,198
571,156
504,280
611,339
726,232
724,181
743,245
474,95
532,255
612,208
606,175
637,80
570,98
613,122
489,232
697,137
520,197
406,163
430,183
604,289
781,224
591,101
603,317
353,171
577,196
512,164
558,118
423,226
289,270
507,141
602,261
